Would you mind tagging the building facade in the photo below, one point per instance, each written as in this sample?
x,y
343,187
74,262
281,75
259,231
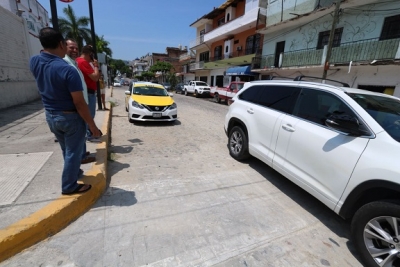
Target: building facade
x,y
365,50
226,41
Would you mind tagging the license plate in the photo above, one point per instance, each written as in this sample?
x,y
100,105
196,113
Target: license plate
x,y
156,115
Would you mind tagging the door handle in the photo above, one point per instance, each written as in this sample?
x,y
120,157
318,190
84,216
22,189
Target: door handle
x,y
250,111
288,127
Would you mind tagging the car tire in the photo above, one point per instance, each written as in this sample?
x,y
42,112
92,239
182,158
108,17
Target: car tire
x,y
216,98
238,144
196,95
377,218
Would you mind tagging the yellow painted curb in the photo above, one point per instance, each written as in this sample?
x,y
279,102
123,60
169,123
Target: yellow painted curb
x,y
62,211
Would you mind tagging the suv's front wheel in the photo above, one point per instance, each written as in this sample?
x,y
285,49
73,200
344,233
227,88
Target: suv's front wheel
x,y
376,233
238,144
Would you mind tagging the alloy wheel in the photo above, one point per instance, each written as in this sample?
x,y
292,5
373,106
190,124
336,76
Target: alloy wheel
x,y
382,240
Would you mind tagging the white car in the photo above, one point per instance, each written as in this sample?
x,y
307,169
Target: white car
x,y
150,102
340,144
117,84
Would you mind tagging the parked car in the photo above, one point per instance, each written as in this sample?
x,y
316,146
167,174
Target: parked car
x,y
197,88
340,144
117,84
225,93
147,101
179,88
167,86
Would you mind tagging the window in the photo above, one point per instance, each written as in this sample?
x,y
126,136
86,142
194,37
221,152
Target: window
x,y
204,56
281,98
221,21
228,17
251,94
323,38
317,106
218,53
391,28
253,44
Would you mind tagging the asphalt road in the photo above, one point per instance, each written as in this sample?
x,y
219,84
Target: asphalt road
x,y
176,198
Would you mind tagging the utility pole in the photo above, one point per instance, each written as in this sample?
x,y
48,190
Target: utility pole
x,y
331,38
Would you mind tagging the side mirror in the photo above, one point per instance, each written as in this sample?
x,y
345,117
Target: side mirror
x,y
171,94
346,124
128,92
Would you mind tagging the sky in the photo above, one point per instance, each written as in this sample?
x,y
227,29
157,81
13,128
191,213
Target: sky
x,y
137,27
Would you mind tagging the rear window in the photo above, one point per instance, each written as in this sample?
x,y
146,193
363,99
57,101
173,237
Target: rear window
x,y
385,110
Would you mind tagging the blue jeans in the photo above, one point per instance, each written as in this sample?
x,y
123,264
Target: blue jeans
x,y
69,129
92,108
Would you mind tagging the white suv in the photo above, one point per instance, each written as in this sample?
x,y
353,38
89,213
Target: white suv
x,y
340,144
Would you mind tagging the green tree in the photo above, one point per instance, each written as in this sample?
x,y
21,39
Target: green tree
x,y
148,75
119,65
75,27
172,79
163,67
102,46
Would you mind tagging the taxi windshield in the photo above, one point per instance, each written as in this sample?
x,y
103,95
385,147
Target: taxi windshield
x,y
149,91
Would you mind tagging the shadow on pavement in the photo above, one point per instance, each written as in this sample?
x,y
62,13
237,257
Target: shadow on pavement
x,y
20,113
325,215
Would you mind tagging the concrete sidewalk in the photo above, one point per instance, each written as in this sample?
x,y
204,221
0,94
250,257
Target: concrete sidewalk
x,y
31,205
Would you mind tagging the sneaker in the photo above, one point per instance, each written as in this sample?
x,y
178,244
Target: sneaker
x,y
94,140
88,160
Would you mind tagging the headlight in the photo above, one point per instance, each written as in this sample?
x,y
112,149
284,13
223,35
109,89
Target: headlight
x,y
173,106
137,105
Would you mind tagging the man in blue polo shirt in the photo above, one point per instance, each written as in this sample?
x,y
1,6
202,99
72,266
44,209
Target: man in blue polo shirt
x,y
66,110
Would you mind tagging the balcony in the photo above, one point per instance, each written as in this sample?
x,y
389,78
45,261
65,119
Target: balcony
x,y
360,51
196,66
232,27
187,56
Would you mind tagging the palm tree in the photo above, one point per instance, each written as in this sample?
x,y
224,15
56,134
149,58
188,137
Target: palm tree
x,y
102,46
75,27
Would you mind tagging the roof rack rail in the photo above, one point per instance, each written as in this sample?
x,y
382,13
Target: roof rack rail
x,y
300,78
280,77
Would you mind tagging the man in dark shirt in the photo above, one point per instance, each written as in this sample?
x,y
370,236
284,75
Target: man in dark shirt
x,y
66,110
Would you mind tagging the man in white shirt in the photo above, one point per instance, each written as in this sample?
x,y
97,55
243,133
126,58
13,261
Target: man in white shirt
x,y
72,54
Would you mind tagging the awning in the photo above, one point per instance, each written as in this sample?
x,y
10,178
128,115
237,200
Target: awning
x,y
240,70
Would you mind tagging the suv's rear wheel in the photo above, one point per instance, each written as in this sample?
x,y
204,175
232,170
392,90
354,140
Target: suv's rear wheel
x,y
238,144
376,233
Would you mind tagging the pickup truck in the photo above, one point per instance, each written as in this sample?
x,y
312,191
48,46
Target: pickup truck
x,y
197,88
226,93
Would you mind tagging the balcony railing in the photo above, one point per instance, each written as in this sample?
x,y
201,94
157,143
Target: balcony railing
x,y
366,50
304,57
196,66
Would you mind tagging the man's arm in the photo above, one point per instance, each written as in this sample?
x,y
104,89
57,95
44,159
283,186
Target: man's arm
x,y
96,74
83,110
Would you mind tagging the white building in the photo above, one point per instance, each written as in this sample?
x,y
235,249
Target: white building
x,y
365,51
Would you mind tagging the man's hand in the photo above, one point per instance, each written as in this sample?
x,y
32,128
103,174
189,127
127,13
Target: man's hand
x,y
95,63
95,131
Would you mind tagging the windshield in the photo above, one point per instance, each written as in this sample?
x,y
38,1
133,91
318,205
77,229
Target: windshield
x,y
150,91
385,110
201,84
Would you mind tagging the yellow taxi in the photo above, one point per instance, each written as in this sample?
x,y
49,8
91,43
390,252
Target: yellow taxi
x,y
147,101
